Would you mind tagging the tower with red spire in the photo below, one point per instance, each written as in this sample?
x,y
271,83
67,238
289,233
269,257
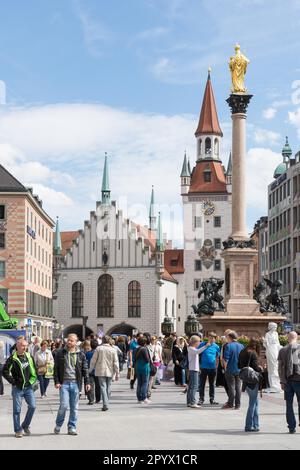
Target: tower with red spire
x,y
206,198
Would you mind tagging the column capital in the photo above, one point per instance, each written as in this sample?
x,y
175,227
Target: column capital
x,y
238,102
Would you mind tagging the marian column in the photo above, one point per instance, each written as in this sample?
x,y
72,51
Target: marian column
x,y
239,251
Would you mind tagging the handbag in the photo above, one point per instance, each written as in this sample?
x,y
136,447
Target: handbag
x,y
249,375
49,370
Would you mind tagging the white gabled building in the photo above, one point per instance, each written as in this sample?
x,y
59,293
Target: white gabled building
x,y
113,272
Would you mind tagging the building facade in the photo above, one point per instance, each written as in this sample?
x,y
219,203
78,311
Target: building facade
x,y
26,239
283,210
113,272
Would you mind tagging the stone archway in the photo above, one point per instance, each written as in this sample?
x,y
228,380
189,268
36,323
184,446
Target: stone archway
x,y
77,329
121,329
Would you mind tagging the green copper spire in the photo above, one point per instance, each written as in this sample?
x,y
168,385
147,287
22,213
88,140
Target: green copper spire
x,y
152,218
160,238
189,167
185,172
286,151
57,240
105,183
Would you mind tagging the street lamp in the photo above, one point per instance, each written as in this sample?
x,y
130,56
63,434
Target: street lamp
x,y
167,326
84,322
191,325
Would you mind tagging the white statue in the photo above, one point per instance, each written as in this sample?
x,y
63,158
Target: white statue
x,y
272,345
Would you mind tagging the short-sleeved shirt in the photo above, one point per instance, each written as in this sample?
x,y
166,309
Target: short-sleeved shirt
x,y
209,357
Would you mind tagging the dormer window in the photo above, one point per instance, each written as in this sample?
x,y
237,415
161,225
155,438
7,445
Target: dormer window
x,y
207,176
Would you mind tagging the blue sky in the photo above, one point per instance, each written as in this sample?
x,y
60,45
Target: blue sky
x,y
87,76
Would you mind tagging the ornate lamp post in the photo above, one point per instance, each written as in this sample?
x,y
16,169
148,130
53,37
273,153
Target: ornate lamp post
x,y
167,326
192,325
84,322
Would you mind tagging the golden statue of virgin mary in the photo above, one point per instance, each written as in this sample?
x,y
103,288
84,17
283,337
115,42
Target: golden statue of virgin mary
x,y
238,67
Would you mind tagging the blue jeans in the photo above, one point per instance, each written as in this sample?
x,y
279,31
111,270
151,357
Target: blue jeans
x,y
69,397
183,376
17,396
43,384
105,383
193,387
252,419
142,386
291,388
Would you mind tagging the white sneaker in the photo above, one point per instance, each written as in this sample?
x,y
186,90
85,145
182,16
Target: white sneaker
x,y
194,406
147,401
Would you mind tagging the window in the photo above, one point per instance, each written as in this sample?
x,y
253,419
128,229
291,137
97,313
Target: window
x,y
105,296
197,222
134,299
2,212
217,264
217,221
216,145
207,146
207,176
173,308
218,243
77,300
166,307
198,265
2,240
197,284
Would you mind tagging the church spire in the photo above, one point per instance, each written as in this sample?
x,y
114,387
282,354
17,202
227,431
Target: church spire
x,y
152,218
208,133
160,238
229,166
105,183
57,240
209,121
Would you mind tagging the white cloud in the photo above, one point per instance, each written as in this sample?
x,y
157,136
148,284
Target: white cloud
x,y
262,136
96,34
294,118
269,113
45,145
153,33
51,198
2,93
261,164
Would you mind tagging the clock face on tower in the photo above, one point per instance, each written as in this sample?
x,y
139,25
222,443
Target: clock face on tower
x,y
208,208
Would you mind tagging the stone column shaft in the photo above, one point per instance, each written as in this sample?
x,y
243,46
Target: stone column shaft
x,y
239,224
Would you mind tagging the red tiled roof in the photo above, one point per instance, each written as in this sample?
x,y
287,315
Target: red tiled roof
x,y
218,179
148,235
67,240
209,122
172,257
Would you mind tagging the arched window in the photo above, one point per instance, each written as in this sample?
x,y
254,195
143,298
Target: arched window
x,y
199,147
207,146
173,308
216,147
77,300
166,307
134,299
105,296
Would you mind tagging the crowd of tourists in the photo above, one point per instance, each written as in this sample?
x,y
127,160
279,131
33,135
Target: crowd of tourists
x,y
88,368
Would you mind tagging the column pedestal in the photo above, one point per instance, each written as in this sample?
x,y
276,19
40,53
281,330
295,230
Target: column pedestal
x,y
239,282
